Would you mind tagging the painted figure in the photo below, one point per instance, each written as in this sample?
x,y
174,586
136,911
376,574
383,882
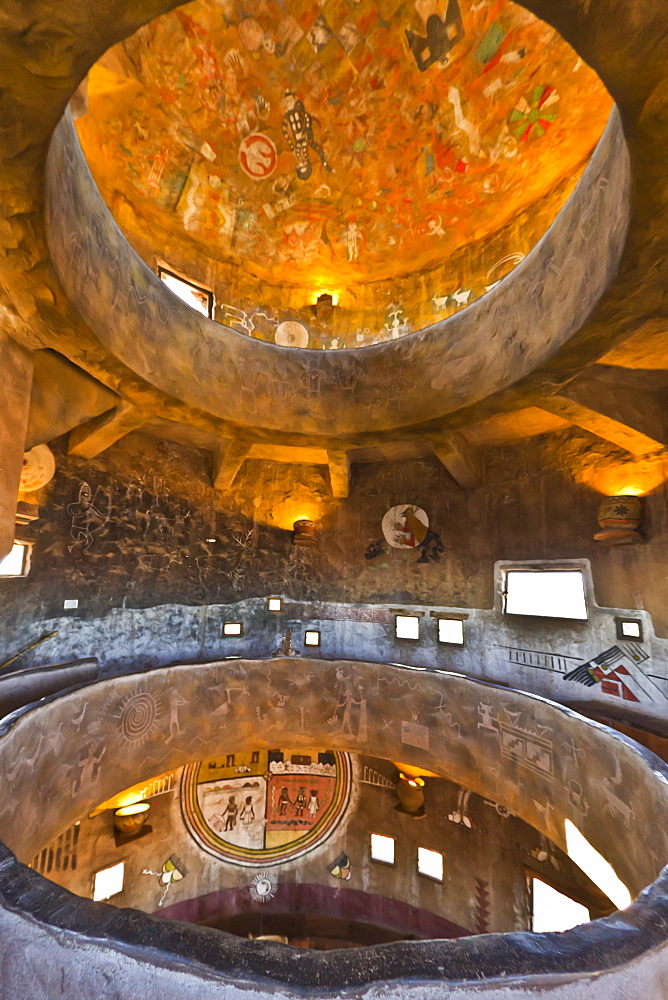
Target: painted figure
x,y
247,814
298,132
230,814
284,802
300,802
313,803
442,35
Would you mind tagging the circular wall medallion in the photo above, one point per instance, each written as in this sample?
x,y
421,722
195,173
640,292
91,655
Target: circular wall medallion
x,y
405,526
39,467
291,334
257,156
263,807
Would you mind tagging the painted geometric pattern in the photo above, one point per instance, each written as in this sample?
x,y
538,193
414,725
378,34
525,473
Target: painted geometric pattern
x,y
263,807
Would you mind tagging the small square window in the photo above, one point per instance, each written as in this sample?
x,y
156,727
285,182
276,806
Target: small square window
x,y
630,629
311,638
430,863
17,560
71,603
382,848
108,882
407,626
233,628
194,295
274,604
451,630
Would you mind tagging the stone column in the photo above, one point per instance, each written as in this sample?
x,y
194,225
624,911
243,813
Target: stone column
x,y
15,382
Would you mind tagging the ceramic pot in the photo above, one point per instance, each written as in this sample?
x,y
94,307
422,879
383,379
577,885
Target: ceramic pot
x,y
304,532
623,512
130,819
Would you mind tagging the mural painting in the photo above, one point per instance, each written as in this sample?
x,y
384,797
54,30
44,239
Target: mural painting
x,y
344,147
618,673
265,806
406,526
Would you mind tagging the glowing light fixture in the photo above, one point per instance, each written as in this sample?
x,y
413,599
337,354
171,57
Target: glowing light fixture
x,y
619,517
410,792
130,819
303,531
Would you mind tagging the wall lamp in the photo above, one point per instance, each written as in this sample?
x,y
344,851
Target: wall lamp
x,y
619,518
410,792
303,532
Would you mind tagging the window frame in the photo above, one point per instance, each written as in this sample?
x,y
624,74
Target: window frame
x,y
432,878
233,635
25,562
202,289
541,566
382,861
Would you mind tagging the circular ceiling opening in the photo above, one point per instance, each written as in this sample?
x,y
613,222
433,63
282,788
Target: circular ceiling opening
x,y
400,157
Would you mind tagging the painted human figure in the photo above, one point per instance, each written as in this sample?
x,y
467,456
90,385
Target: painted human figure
x,y
442,35
298,132
87,518
313,803
229,814
283,802
247,814
176,700
300,802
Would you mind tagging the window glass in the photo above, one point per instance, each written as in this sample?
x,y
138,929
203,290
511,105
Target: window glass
x,y
546,593
15,562
109,881
192,294
451,630
430,863
407,627
552,911
382,848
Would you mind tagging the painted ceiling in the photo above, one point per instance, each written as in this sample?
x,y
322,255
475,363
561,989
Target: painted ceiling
x,y
342,146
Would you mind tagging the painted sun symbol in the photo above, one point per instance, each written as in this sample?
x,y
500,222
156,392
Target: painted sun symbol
x,y
263,886
137,716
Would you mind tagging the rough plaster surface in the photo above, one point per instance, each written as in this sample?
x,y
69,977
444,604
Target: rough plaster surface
x,y
522,321
16,369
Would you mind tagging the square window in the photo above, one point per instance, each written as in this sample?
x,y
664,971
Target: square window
x,y
197,297
546,593
311,638
70,603
233,628
108,882
16,562
382,848
407,626
430,863
274,604
451,630
630,629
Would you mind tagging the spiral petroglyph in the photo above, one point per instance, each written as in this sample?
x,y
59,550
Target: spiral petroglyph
x,y
137,716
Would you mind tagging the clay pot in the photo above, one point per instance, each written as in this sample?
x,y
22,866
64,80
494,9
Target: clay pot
x,y
130,819
304,532
619,517
410,792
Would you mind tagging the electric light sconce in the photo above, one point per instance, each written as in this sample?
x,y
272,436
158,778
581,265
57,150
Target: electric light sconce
x,y
410,792
303,532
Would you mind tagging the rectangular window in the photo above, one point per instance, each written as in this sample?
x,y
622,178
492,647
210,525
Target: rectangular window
x,y
546,593
311,638
552,911
233,628
407,626
108,882
17,560
430,863
595,866
382,848
629,629
188,291
274,604
451,630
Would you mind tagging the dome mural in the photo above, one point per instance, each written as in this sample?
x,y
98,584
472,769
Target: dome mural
x,y
401,156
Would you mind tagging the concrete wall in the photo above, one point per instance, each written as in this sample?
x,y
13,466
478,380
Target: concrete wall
x,y
154,589
485,887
